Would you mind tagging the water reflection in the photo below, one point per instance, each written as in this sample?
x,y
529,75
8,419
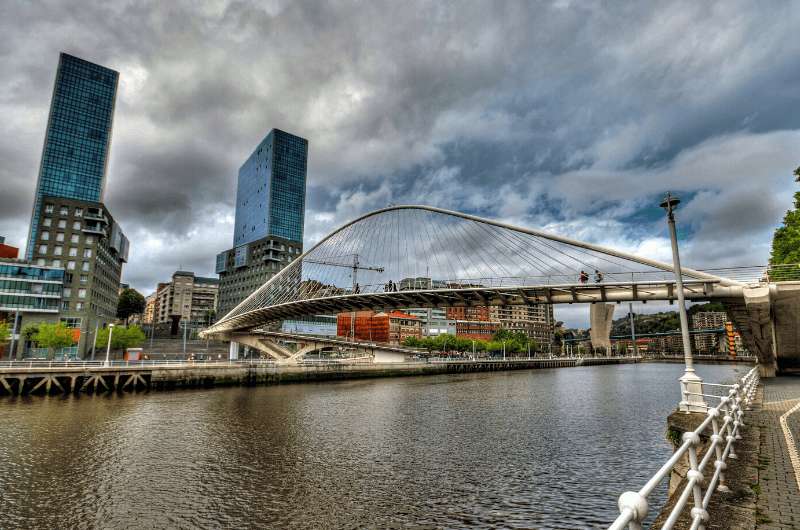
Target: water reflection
x,y
543,449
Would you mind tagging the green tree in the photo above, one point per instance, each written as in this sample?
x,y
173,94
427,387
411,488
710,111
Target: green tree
x,y
29,331
121,338
53,336
5,332
131,302
786,241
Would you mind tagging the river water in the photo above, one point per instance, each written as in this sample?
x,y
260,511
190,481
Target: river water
x,y
523,449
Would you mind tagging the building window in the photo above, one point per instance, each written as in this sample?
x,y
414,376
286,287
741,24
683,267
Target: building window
x,y
85,266
48,208
65,305
45,236
47,221
58,250
41,261
56,263
67,292
62,223
76,225
84,279
71,322
87,253
60,237
81,293
73,251
78,306
89,240
63,211
78,212
42,249
70,265
74,238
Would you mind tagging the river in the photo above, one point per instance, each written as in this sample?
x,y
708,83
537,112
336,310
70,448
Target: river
x,y
522,449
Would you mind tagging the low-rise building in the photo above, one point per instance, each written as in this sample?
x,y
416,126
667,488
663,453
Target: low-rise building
x,y
392,327
476,329
7,251
29,294
712,320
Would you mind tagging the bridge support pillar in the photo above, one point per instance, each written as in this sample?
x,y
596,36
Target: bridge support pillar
x,y
758,301
233,351
600,318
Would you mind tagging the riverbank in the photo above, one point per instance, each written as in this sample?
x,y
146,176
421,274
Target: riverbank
x,y
47,378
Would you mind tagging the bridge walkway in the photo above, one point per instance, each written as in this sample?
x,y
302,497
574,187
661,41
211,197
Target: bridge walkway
x,y
778,487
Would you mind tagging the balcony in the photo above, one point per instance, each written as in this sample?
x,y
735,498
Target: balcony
x,y
94,227
96,215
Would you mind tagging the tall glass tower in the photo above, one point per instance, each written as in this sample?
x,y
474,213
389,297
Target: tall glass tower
x,y
271,191
78,137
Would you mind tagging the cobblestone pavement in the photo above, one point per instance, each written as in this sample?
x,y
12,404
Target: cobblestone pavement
x,y
778,495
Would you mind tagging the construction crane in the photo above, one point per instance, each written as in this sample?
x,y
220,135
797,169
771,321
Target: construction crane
x,y
355,267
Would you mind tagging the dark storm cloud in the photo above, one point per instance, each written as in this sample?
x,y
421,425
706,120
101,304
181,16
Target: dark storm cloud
x,y
574,116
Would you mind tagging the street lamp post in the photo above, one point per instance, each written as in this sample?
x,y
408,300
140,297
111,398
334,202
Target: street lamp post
x,y
633,331
691,383
108,348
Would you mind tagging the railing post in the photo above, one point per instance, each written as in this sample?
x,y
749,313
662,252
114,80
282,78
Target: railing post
x,y
717,440
730,433
694,474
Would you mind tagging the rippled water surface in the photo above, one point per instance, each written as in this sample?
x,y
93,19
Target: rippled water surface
x,y
524,449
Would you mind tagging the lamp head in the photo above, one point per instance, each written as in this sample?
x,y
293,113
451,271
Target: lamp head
x,y
670,202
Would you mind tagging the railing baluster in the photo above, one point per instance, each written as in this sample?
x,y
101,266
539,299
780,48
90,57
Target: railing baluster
x,y
633,505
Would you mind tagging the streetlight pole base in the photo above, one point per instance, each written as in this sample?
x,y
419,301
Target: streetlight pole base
x,y
691,388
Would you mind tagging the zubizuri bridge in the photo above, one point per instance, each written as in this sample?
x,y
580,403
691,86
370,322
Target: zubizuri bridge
x,y
422,256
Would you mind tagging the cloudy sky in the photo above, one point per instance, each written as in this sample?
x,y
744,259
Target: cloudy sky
x,y
573,117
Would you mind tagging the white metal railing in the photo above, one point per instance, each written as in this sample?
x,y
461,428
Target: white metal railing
x,y
633,505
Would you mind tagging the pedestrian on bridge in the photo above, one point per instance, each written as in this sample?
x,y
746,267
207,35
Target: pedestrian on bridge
x,y
598,276
584,276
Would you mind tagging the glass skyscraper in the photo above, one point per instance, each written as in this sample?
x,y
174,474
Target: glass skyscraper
x,y
78,137
271,191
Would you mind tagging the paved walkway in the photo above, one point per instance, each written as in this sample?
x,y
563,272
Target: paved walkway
x,y
778,494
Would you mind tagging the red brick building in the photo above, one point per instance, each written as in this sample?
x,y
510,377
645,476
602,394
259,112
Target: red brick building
x,y
476,329
393,327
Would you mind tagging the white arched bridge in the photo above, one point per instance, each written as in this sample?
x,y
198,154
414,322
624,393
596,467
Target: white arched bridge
x,y
421,256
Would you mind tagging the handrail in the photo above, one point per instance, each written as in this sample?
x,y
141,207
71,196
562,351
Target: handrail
x,y
633,505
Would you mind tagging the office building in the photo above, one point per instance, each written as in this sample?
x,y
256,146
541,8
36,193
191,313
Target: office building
x,y
82,238
271,190
186,299
246,268
29,294
78,137
270,210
